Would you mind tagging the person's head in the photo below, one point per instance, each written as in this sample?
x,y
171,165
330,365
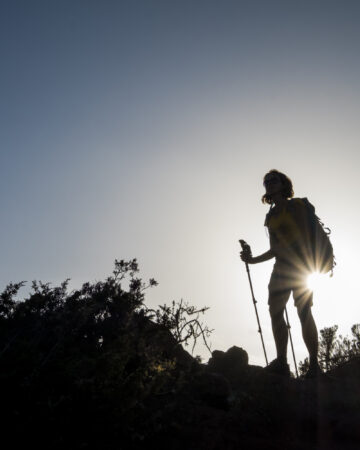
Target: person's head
x,y
275,182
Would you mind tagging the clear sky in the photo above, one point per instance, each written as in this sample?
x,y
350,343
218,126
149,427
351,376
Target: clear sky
x,y
144,129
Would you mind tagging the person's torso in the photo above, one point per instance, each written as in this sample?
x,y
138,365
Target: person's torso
x,y
286,228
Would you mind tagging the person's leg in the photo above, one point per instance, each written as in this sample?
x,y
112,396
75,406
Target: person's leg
x,y
279,294
303,302
279,328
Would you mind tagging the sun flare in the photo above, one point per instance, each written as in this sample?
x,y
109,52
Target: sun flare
x,y
315,281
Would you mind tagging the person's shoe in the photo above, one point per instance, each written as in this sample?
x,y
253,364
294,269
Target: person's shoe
x,y
278,367
314,371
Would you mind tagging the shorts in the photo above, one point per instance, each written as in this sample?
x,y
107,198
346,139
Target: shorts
x,y
285,279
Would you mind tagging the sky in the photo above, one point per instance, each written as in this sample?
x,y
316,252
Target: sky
x,y
143,129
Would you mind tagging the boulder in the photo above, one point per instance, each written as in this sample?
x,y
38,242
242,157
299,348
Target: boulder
x,y
213,389
231,363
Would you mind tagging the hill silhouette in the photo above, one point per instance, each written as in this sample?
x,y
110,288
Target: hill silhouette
x,y
97,369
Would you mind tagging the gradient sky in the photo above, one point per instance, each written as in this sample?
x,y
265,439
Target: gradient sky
x,y
144,129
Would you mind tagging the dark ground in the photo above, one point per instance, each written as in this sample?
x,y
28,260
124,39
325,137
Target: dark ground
x,y
233,405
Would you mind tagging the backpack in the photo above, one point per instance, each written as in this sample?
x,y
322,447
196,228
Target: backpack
x,y
322,249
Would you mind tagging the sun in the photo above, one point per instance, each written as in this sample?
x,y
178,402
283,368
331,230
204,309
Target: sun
x,y
315,281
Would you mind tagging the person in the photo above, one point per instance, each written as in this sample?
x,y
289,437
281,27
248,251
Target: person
x,y
289,235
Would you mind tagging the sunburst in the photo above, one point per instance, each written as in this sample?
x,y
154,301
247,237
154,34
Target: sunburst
x,y
315,281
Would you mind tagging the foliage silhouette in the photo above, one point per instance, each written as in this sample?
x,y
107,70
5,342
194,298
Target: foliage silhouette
x,y
96,368
183,322
84,369
335,350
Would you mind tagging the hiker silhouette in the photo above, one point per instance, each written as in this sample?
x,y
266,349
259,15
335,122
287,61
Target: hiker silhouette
x,y
290,236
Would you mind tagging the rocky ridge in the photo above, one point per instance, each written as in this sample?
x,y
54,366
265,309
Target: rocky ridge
x,y
230,405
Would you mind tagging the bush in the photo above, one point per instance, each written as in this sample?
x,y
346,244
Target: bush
x,y
335,350
84,369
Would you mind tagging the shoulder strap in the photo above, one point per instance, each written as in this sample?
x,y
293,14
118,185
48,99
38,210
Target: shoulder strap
x,y
308,205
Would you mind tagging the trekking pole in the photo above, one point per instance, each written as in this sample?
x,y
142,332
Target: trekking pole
x,y
246,249
291,342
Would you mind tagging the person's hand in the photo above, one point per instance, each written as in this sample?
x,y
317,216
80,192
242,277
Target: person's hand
x,y
246,257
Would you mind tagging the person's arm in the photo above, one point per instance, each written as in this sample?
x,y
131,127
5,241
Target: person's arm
x,y
261,258
269,254
248,258
257,259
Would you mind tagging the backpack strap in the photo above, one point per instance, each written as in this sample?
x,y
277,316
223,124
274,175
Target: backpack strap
x,y
308,205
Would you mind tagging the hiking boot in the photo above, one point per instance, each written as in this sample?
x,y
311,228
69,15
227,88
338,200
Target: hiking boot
x,y
314,371
279,367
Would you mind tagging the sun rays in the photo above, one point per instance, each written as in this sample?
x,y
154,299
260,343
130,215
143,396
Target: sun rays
x,y
315,281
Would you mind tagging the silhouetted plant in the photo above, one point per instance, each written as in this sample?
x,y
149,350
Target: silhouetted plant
x,y
88,365
334,350
183,322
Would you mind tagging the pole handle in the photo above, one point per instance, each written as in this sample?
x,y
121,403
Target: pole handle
x,y
245,250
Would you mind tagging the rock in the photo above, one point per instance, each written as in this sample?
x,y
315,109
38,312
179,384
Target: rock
x,y
238,356
231,363
350,369
216,360
347,428
162,338
214,389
